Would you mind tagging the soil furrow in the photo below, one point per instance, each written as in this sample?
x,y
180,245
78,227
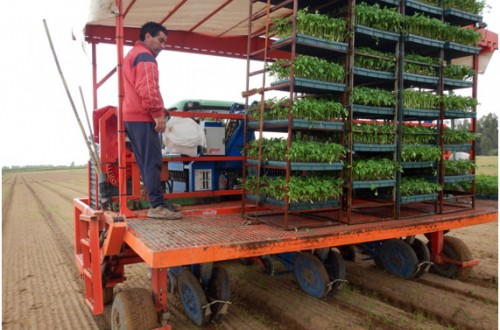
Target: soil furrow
x,y
448,307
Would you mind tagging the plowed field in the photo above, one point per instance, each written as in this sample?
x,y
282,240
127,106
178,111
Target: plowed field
x,y
41,287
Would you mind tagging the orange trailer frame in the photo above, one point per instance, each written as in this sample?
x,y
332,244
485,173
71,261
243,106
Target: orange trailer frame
x,y
109,240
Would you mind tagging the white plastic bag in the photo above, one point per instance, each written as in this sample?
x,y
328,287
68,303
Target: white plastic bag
x,y
183,136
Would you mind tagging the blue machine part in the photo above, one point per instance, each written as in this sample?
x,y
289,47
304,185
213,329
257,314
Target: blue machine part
x,y
399,258
311,275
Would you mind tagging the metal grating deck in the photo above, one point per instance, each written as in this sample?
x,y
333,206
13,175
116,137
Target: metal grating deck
x,y
211,236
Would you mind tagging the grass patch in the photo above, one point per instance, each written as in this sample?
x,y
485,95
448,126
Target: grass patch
x,y
487,165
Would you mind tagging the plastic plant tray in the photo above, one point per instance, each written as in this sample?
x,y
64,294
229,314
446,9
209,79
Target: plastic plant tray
x,y
419,198
373,183
375,33
458,178
450,114
458,147
471,50
457,83
417,164
309,41
373,110
411,77
420,113
301,123
455,16
424,41
301,166
374,73
305,205
302,85
374,147
424,7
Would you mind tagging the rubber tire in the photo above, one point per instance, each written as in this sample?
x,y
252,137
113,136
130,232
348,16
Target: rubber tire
x,y
311,275
455,249
347,252
193,298
423,254
335,267
399,258
218,289
107,296
134,309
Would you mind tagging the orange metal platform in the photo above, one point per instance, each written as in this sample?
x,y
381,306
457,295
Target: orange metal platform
x,y
210,233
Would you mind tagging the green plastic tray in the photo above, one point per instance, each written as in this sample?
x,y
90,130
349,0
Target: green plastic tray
x,y
451,114
424,7
458,147
462,18
375,33
457,83
458,178
411,77
373,183
419,198
373,110
420,113
424,41
301,166
305,206
374,73
417,164
303,85
312,41
374,147
301,123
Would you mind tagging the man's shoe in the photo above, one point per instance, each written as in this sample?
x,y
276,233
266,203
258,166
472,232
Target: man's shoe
x,y
161,212
173,207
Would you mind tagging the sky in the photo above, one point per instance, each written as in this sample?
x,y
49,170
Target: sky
x,y
38,126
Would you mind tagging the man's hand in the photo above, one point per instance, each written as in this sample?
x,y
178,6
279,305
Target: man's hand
x,y
160,124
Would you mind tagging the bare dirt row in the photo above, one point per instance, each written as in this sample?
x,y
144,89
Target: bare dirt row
x,y
42,288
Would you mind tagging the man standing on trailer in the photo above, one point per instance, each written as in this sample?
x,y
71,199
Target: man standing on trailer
x,y
144,115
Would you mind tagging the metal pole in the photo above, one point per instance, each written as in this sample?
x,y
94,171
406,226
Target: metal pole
x,y
92,154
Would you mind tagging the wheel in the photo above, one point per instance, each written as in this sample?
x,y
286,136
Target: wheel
x,y
399,258
334,265
311,275
266,263
423,255
218,289
107,296
134,309
193,298
347,252
453,248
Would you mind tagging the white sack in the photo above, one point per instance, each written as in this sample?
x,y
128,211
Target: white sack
x,y
183,136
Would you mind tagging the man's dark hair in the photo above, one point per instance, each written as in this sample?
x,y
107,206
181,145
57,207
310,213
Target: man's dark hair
x,y
152,28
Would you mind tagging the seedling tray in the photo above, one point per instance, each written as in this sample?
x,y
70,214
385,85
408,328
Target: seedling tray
x,y
302,85
462,18
417,164
410,113
301,166
454,50
374,147
419,198
415,43
452,114
459,178
458,147
453,83
313,205
374,73
300,123
373,184
425,8
420,79
363,111
305,42
377,34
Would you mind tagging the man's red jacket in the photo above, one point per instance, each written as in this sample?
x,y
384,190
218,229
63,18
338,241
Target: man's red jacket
x,y
143,100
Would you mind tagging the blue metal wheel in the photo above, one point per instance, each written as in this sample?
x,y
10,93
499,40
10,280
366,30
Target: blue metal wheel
x,y
398,258
311,275
193,298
